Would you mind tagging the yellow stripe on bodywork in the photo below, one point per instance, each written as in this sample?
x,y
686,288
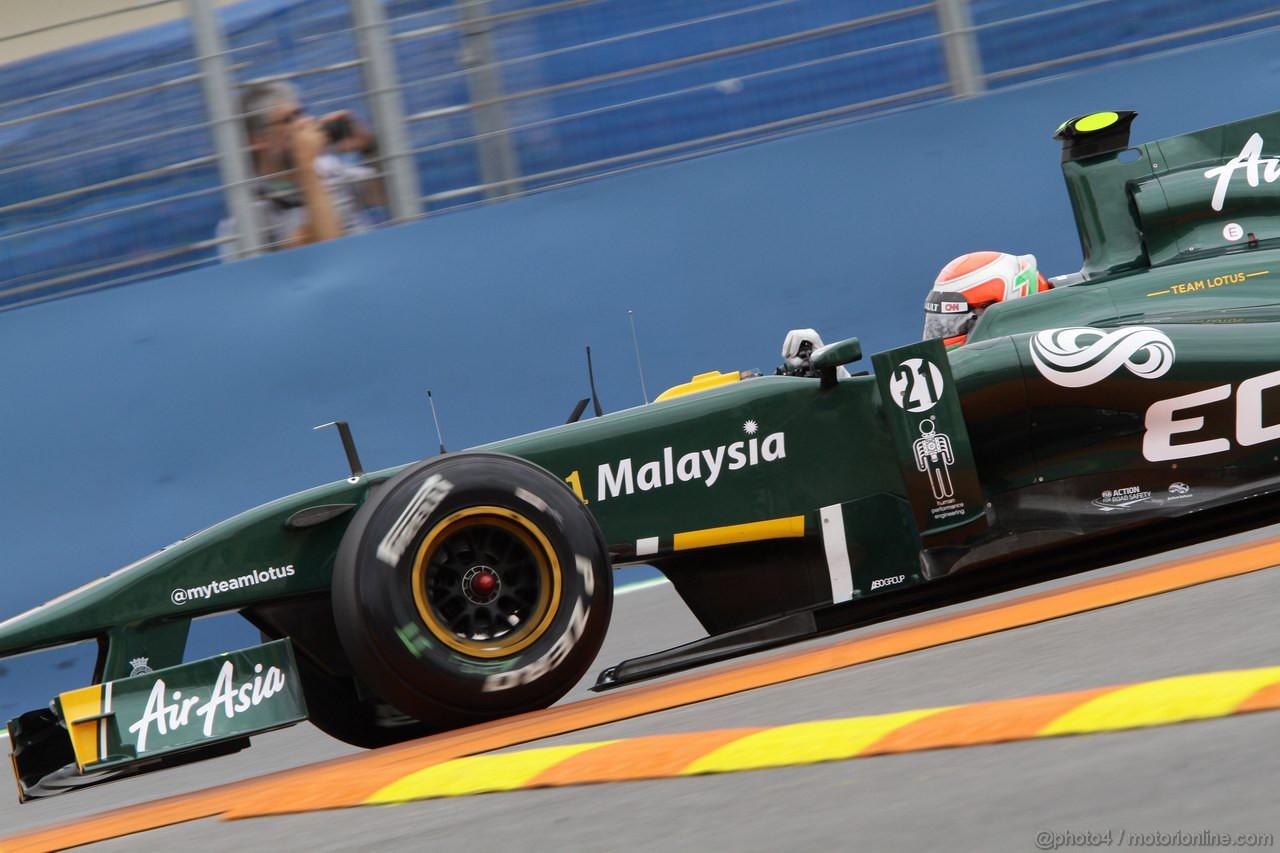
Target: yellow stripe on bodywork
x,y
478,774
17,778
1169,700
79,705
803,743
755,531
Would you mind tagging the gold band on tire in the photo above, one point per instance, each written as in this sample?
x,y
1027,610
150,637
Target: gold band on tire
x,y
544,558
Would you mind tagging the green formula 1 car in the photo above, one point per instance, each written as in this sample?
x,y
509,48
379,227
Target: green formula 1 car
x,y
474,585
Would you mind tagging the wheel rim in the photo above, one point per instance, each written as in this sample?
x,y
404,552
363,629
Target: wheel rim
x,y
486,582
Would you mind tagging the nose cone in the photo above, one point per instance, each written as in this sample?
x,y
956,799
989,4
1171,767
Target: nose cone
x,y
69,618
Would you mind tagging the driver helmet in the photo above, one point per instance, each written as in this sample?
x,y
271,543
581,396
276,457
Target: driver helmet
x,y
970,285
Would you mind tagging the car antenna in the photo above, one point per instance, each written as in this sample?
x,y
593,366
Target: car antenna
x,y
349,445
591,378
635,342
432,403
578,410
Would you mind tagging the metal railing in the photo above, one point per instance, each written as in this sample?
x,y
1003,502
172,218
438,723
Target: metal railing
x,y
128,172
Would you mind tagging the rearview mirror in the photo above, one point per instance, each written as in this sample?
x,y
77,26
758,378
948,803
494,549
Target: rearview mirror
x,y
834,355
826,359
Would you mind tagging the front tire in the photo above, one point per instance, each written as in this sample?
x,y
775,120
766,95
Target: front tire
x,y
470,587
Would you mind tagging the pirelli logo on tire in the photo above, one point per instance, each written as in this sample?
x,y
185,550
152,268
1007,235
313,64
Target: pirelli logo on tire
x,y
398,539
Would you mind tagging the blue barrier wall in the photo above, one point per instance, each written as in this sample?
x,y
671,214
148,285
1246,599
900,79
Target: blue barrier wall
x,y
134,416
885,65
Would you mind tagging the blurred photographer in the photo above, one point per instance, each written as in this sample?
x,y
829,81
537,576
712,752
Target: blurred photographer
x,y
307,192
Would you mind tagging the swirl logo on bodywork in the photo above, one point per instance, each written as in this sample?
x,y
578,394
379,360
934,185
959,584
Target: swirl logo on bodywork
x,y
1082,356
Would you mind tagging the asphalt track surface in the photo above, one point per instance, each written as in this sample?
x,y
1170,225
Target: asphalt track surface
x,y
1219,775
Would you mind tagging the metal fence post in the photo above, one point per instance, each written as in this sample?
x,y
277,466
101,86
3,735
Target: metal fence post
x,y
403,190
229,140
964,62
499,168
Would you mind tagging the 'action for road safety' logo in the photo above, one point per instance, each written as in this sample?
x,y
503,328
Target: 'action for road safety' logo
x,y
1082,356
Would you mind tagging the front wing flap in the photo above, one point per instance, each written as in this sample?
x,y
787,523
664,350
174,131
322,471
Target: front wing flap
x,y
152,717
